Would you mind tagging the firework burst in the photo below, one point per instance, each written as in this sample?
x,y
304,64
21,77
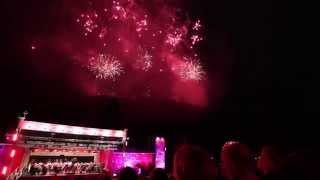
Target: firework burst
x,y
142,25
147,63
174,39
195,39
88,22
148,41
144,61
105,67
191,70
197,25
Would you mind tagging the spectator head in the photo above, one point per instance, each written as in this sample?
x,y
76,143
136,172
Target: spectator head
x,y
192,162
128,173
106,177
159,174
236,160
271,159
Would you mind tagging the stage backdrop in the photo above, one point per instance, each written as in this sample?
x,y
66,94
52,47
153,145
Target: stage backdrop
x,y
114,161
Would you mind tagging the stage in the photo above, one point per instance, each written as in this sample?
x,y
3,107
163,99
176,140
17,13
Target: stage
x,y
38,150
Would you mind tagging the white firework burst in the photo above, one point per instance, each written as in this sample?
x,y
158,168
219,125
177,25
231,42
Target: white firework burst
x,y
191,70
105,67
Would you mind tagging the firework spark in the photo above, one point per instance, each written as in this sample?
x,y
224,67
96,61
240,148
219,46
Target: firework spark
x,y
105,67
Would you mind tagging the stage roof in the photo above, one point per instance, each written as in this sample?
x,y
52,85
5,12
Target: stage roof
x,y
67,129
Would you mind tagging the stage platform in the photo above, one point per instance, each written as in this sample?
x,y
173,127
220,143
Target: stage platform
x,y
94,176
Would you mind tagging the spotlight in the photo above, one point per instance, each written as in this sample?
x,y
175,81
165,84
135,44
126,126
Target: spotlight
x,y
4,170
15,137
13,153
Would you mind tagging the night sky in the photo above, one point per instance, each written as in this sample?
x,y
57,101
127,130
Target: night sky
x,y
245,90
